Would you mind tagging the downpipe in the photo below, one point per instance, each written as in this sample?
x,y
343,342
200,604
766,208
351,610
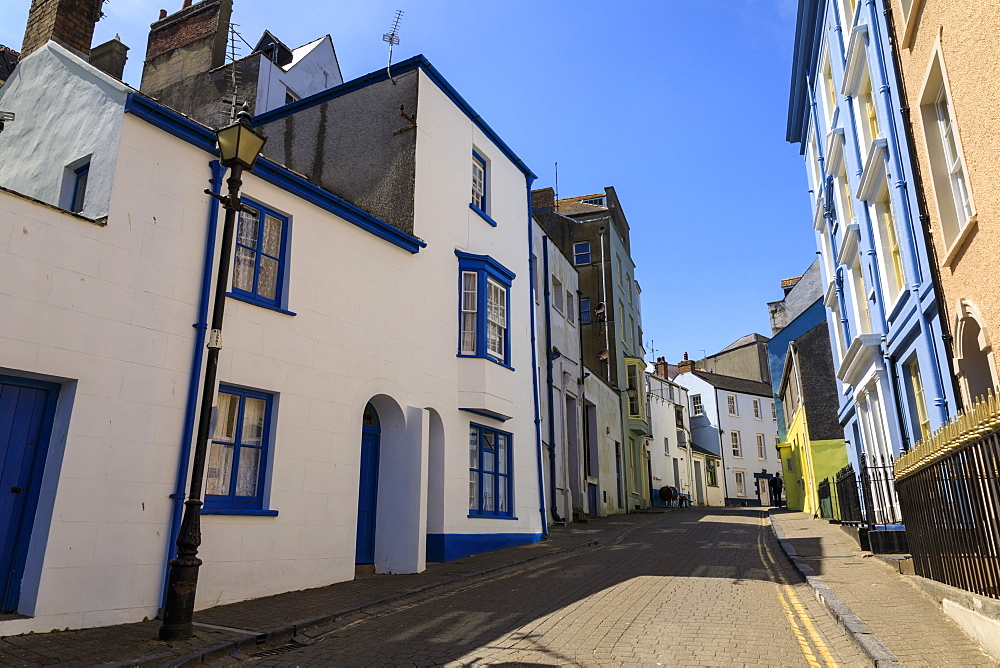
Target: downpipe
x,y
549,382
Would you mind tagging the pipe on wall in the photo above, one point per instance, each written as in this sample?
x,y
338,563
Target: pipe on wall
x,y
194,382
547,304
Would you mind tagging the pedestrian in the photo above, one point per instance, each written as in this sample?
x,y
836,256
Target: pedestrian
x,y
775,484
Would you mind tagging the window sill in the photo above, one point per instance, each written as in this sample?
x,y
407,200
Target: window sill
x,y
484,516
250,300
951,254
239,511
487,358
482,214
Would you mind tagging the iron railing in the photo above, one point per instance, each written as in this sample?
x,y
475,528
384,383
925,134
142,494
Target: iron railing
x,y
848,499
878,490
952,509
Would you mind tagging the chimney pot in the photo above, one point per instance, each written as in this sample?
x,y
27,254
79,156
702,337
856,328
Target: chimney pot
x,y
163,14
187,3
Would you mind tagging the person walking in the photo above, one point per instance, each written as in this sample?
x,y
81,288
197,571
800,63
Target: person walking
x,y
775,484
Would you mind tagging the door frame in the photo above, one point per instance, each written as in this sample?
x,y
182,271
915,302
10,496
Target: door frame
x,y
10,591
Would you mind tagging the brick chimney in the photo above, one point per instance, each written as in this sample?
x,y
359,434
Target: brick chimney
x,y
685,365
187,43
662,368
543,200
110,57
69,22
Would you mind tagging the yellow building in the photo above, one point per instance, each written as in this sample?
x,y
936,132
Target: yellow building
x,y
949,67
805,463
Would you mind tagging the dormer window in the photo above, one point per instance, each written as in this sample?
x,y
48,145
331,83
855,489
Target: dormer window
x,y
595,201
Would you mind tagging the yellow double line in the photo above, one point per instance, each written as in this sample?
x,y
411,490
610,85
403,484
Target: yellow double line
x,y
795,612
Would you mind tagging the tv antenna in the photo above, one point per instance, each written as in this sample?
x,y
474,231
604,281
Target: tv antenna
x,y
392,37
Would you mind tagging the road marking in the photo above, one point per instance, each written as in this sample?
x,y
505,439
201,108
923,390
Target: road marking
x,y
795,612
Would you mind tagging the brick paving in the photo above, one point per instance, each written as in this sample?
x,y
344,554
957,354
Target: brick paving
x,y
693,587
131,643
910,623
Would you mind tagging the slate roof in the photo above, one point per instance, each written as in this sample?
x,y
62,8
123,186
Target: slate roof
x,y
704,451
8,59
569,206
732,384
745,340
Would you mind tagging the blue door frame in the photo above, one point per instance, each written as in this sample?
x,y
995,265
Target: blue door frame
x,y
27,408
368,488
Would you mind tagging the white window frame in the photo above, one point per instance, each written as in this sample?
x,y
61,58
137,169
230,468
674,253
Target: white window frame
x,y
740,478
579,253
732,405
735,440
570,308
761,448
496,319
697,408
557,294
757,415
470,299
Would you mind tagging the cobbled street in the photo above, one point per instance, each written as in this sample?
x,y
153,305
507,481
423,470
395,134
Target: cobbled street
x,y
697,587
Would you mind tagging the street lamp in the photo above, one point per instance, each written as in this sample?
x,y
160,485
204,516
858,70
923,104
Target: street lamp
x,y
239,146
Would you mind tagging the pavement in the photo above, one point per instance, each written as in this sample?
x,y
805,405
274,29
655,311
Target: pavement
x,y
889,619
702,586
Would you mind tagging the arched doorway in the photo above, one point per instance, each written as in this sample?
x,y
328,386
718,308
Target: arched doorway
x,y
368,486
974,353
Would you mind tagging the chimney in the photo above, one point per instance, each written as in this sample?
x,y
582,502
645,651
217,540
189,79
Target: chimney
x,y
788,283
661,367
685,365
69,22
543,200
110,57
189,42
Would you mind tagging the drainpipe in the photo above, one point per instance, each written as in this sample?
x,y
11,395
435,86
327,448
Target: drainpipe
x,y
584,425
194,381
941,401
925,218
607,307
549,381
529,179
722,448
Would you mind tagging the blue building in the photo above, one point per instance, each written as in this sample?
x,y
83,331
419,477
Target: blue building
x,y
881,306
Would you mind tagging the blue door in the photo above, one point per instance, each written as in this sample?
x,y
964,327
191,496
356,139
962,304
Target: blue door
x,y
368,487
25,422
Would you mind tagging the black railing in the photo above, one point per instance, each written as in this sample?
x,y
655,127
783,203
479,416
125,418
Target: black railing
x,y
848,499
878,490
952,512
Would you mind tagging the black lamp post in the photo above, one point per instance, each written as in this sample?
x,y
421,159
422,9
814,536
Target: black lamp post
x,y
239,146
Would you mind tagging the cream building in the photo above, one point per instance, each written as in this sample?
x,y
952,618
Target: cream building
x,y
949,69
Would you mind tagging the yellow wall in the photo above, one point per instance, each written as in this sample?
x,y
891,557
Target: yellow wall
x,y
805,463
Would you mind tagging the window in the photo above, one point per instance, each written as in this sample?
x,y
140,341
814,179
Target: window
x,y
919,399
479,182
80,175
761,448
790,465
537,274
867,115
756,409
595,201
237,460
621,281
584,310
258,271
711,473
731,401
741,483
621,319
634,391
570,308
290,96
774,413
581,253
734,436
557,294
484,286
631,333
890,244
681,439
490,482
953,162
679,417
666,445
696,407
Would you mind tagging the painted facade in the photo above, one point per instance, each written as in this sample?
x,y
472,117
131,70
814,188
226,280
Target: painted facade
x,y
313,366
944,65
883,315
671,459
734,419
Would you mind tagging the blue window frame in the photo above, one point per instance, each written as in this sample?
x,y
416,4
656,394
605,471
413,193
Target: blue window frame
x,y
239,451
261,255
81,174
483,308
581,253
491,485
584,309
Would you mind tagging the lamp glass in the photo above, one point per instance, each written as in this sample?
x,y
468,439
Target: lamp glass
x,y
239,145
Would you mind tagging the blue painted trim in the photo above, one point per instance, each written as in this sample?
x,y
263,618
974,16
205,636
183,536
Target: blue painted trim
x,y
482,412
198,135
194,378
39,459
279,176
482,214
400,68
495,472
240,511
232,502
485,267
489,358
81,173
485,263
243,297
451,546
280,290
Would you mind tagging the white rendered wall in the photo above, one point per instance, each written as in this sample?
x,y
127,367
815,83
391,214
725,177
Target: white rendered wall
x,y
80,109
316,71
609,431
749,427
442,217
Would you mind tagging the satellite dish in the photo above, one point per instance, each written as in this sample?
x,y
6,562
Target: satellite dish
x,y
603,355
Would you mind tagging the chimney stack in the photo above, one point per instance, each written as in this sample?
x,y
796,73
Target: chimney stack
x,y
662,367
543,200
110,57
190,42
69,22
685,365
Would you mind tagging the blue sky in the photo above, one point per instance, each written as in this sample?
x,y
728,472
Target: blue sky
x,y
680,105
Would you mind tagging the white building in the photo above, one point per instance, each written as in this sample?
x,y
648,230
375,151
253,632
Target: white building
x,y
671,463
374,366
735,418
